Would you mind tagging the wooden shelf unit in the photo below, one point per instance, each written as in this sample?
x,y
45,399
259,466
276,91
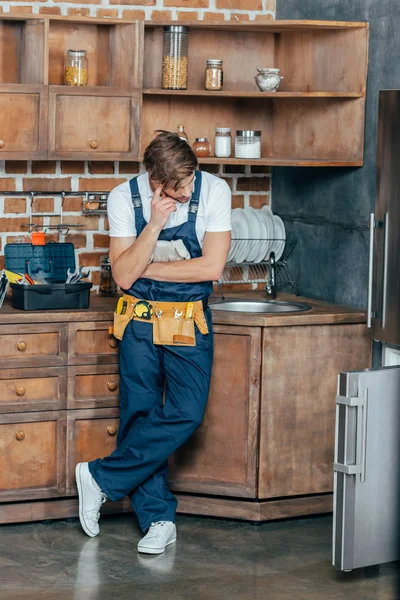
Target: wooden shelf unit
x,y
316,118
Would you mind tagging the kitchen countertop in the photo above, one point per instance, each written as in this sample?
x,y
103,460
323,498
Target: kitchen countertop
x,y
101,310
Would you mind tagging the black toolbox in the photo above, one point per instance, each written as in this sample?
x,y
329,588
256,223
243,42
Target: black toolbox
x,y
54,260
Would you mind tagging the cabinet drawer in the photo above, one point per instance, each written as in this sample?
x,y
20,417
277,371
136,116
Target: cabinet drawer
x,y
30,140
32,389
32,455
33,345
93,386
90,343
91,434
93,123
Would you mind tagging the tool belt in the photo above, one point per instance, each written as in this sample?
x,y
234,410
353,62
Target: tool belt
x,y
173,322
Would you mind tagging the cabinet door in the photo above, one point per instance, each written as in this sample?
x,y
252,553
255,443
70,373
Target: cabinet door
x,y
91,434
23,121
298,403
32,459
93,386
91,344
93,124
221,457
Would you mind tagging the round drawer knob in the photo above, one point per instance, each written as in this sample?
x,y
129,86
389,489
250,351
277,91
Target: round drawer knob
x,y
113,342
20,390
111,430
21,346
20,435
94,144
112,386
1,143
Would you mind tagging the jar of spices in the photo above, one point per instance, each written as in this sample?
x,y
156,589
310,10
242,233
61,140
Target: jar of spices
x,y
248,144
223,142
202,147
108,287
214,75
75,67
175,58
182,133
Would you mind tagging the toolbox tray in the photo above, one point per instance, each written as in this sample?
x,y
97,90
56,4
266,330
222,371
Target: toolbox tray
x,y
54,259
51,296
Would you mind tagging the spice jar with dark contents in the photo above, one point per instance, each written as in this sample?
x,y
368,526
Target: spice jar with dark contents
x,y
108,287
175,58
75,68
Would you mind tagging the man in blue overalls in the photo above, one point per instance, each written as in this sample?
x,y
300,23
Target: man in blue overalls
x,y
158,221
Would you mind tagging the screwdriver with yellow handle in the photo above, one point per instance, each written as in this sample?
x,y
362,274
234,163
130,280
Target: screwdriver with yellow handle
x,y
189,310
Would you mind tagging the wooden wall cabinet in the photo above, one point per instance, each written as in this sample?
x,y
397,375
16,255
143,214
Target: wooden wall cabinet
x,y
316,118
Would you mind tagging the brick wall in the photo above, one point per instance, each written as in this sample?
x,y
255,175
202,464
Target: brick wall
x,y
250,186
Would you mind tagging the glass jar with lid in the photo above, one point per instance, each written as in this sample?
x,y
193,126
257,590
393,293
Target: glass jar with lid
x,y
175,58
75,67
108,287
248,143
202,147
214,75
223,142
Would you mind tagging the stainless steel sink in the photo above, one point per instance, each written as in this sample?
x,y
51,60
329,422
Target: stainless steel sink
x,y
258,306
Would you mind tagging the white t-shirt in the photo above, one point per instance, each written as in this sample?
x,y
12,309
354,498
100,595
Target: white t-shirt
x,y
214,212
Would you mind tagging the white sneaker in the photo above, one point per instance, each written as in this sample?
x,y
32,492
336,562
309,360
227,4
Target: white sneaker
x,y
90,500
160,535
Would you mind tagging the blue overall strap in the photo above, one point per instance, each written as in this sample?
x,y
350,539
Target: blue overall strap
x,y
195,199
137,206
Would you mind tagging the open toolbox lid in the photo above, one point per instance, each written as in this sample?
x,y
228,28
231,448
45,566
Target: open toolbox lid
x,y
54,259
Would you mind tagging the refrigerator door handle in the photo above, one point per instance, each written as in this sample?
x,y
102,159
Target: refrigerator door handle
x,y
370,268
385,269
360,404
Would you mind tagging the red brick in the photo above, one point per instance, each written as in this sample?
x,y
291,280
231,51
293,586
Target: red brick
x,y
267,17
253,184
90,259
90,222
234,169
101,240
134,2
72,167
22,9
101,168
73,203
107,13
14,167
106,225
42,184
210,168
187,3
14,205
213,16
43,205
261,169
47,167
237,201
131,168
10,239
78,12
239,17
80,1
7,184
240,4
188,15
50,10
259,200
134,15
161,15
77,239
9,224
99,185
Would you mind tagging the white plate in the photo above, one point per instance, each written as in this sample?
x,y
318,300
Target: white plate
x,y
241,232
280,233
260,243
254,234
269,221
232,249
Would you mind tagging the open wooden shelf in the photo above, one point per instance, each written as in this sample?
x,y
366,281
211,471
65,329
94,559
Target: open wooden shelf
x,y
274,161
239,94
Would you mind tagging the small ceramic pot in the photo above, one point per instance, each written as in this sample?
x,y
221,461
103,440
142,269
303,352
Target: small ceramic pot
x,y
268,80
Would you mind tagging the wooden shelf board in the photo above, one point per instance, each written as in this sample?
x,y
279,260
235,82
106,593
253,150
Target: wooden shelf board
x,y
239,94
271,27
281,162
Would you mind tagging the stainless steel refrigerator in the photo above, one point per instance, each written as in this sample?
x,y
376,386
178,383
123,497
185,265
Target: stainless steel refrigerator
x,y
366,524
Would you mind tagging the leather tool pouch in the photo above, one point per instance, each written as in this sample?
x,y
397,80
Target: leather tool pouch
x,y
121,322
173,331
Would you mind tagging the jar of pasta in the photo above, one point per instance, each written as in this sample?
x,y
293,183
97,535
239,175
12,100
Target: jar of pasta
x,y
75,67
175,58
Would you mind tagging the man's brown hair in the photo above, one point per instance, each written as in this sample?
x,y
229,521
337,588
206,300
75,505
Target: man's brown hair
x,y
169,159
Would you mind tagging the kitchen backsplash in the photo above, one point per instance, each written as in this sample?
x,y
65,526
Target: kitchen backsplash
x,y
250,185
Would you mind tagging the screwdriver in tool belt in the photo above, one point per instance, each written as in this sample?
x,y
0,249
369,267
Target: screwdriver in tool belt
x,y
189,310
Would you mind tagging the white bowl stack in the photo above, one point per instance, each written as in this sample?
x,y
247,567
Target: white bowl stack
x,y
255,234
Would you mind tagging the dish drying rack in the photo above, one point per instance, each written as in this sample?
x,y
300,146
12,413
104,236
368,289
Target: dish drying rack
x,y
258,272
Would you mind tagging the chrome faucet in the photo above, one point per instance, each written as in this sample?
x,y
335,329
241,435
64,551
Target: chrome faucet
x,y
270,286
